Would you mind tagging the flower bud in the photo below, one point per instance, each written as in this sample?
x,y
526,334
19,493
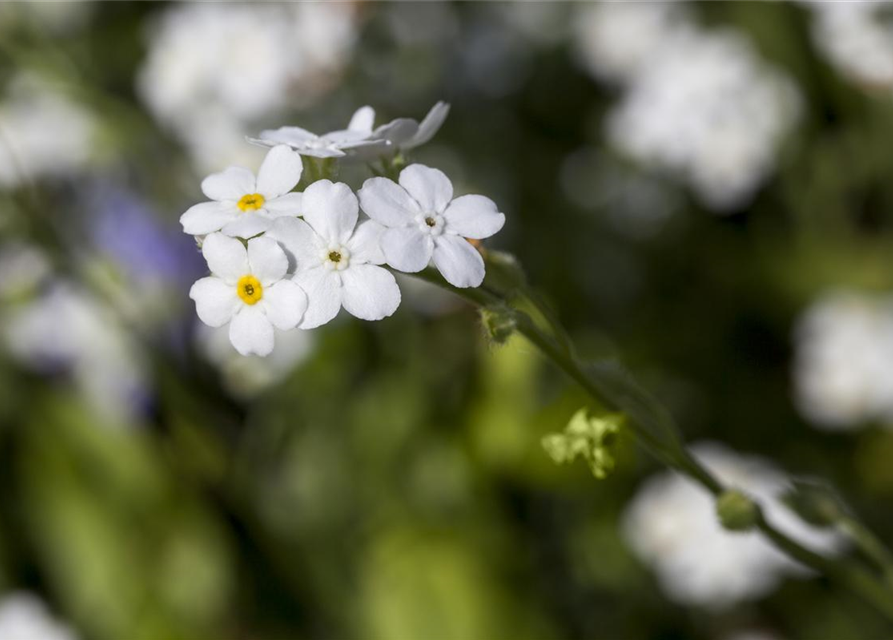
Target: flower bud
x,y
499,323
736,511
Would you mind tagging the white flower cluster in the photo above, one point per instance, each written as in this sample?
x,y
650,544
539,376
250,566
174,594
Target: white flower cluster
x,y
215,70
30,149
672,525
281,259
857,38
24,616
698,104
843,368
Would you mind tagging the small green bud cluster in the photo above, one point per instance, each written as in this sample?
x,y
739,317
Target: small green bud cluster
x,y
594,438
499,323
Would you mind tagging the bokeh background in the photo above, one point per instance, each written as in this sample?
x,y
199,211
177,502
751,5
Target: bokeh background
x,y
704,189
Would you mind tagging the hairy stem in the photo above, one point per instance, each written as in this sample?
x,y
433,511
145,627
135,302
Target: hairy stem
x,y
609,384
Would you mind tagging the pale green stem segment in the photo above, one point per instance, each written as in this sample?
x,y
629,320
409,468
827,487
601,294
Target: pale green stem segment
x,y
609,384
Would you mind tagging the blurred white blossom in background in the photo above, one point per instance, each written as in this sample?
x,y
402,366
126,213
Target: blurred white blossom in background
x,y
615,41
66,330
857,38
248,376
24,616
698,104
843,367
60,17
672,525
214,71
43,133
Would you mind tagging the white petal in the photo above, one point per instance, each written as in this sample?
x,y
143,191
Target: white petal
x,y
473,217
207,217
397,131
430,125
387,202
301,243
230,184
215,301
286,205
247,225
407,249
362,120
266,260
251,331
279,173
293,136
323,289
284,304
227,257
430,187
331,209
458,261
324,152
369,292
365,243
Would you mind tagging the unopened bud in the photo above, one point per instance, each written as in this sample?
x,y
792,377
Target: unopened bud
x,y
736,511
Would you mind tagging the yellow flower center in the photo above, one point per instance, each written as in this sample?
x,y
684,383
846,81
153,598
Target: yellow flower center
x,y
334,256
251,202
250,289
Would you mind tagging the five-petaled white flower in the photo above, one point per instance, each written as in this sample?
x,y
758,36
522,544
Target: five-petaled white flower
x,y
335,258
355,140
425,222
242,206
247,290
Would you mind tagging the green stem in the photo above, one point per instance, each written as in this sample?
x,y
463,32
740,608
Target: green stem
x,y
609,384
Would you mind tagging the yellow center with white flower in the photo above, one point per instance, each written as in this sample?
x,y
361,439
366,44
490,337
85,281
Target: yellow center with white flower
x,y
430,223
335,258
251,202
250,289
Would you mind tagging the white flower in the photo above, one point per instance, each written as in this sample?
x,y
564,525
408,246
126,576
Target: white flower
x,y
707,109
335,144
243,206
70,329
336,258
25,617
843,367
672,525
424,222
360,140
402,133
247,290
30,149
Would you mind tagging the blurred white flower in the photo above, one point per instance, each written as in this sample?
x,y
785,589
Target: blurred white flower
x,y
403,133
24,267
336,258
615,40
244,206
425,223
248,376
69,330
24,616
843,367
707,110
247,290
29,148
240,64
672,525
857,38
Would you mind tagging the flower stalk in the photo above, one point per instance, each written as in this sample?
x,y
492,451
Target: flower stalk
x,y
609,384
